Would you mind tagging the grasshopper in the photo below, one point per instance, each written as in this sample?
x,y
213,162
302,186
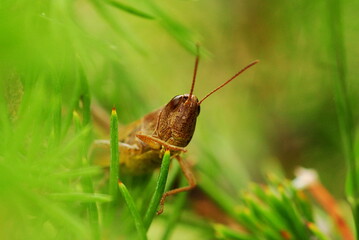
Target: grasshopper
x,y
171,127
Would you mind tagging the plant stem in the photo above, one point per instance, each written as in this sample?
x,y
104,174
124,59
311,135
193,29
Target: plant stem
x,y
134,212
114,165
343,106
160,188
87,182
175,216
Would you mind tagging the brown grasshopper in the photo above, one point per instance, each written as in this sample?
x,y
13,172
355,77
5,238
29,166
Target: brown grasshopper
x,y
143,142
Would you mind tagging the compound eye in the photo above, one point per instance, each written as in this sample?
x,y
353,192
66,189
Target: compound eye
x,y
175,101
198,109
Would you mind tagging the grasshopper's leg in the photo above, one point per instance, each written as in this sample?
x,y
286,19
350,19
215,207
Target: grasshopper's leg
x,y
186,169
156,143
99,151
106,143
103,143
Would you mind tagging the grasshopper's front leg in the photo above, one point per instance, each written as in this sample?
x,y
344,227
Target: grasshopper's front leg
x,y
156,143
186,169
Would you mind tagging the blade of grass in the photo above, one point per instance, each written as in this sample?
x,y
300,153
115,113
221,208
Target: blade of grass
x,y
59,215
80,172
81,197
78,137
92,207
177,210
344,113
223,232
160,188
114,164
87,184
130,9
68,119
121,30
183,35
85,96
134,212
57,113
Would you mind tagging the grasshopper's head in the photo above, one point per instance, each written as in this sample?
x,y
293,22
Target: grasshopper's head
x,y
177,121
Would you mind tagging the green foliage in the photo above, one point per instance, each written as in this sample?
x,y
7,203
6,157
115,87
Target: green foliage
x,y
50,60
60,58
135,214
273,211
160,189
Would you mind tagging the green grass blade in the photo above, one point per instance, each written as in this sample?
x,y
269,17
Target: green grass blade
x,y
134,212
176,214
160,188
223,232
89,196
57,113
120,29
183,35
114,165
82,197
90,199
58,214
85,97
130,9
80,172
344,112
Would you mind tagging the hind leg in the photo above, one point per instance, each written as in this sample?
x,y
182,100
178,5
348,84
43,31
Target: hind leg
x,y
187,172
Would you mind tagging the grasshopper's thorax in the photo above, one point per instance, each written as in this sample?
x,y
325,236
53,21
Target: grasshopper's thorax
x,y
177,120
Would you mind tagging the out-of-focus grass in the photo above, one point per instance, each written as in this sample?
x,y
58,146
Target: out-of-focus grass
x,y
57,55
273,211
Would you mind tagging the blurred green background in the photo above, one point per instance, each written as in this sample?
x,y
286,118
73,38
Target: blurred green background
x,y
56,56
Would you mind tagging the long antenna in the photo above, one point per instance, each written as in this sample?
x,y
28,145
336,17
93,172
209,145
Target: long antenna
x,y
195,72
228,81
